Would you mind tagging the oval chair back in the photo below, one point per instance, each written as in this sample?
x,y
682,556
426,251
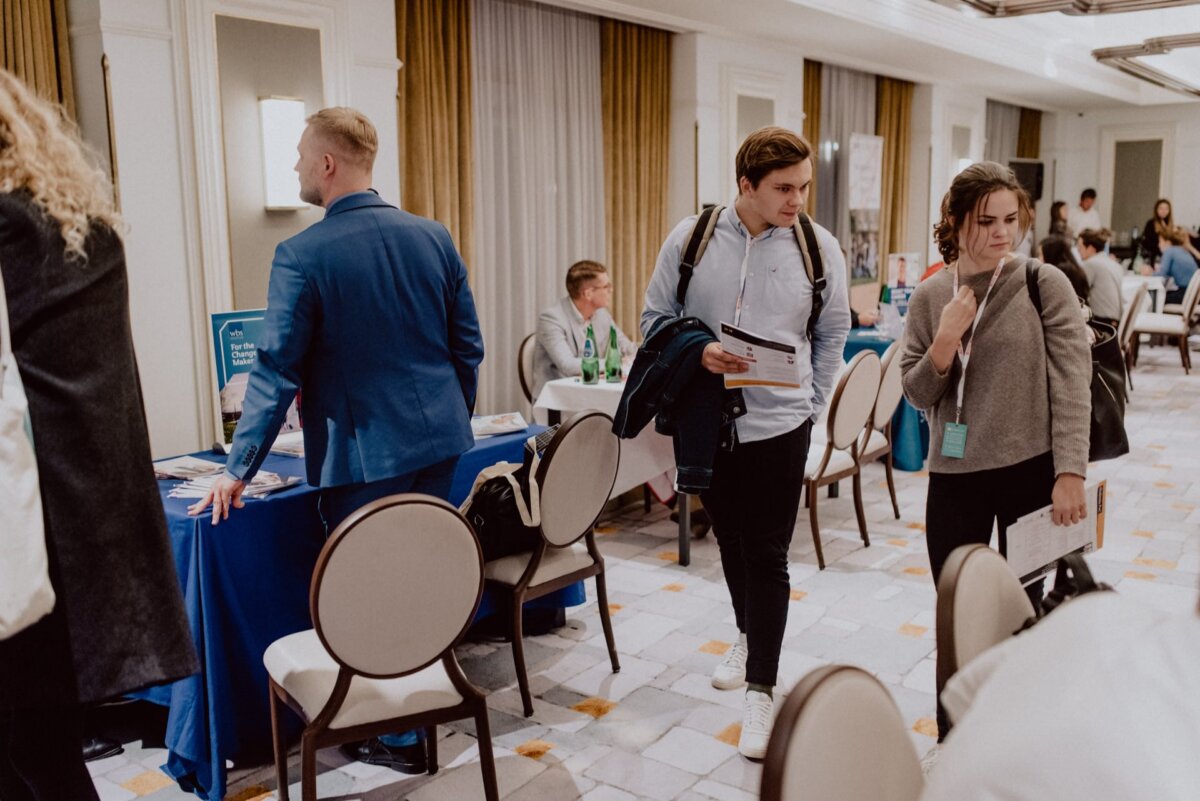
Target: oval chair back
x,y
853,399
891,390
836,716
576,477
1190,298
403,552
525,366
1132,310
980,602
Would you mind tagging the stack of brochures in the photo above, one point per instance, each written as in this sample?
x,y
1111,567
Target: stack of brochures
x,y
186,467
487,425
289,444
263,483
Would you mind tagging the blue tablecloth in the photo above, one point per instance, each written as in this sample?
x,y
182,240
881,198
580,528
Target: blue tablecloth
x,y
910,430
245,584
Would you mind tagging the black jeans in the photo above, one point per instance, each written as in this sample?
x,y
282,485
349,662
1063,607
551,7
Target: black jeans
x,y
753,501
41,756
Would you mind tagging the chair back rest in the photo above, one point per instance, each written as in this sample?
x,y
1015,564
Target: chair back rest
x,y
840,737
411,555
853,399
1190,297
980,602
576,476
525,365
1125,326
891,388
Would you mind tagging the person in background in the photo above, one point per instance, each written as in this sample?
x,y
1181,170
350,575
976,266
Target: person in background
x,y
864,319
1085,215
118,624
370,312
1011,436
1056,251
562,328
1127,674
1177,263
1104,276
1058,220
752,275
1162,220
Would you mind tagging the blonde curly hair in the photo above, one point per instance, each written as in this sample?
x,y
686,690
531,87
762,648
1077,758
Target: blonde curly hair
x,y
41,152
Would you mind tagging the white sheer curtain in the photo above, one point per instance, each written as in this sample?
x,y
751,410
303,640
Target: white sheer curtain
x,y
1003,124
539,188
847,106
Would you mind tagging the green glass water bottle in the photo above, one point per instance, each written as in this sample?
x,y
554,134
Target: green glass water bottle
x,y
589,364
612,359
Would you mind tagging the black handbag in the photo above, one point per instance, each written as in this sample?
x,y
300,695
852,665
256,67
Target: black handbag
x,y
504,504
1108,439
1072,578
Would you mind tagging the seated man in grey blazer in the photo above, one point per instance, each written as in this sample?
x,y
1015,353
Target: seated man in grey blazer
x,y
562,328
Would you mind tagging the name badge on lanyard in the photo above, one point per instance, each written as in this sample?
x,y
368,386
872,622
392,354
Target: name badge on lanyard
x,y
954,435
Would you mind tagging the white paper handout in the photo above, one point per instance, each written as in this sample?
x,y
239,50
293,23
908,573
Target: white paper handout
x,y
290,443
1035,543
186,467
487,425
772,364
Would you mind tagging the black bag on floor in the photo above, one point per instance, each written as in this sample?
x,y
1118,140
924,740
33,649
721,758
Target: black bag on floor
x,y
1072,578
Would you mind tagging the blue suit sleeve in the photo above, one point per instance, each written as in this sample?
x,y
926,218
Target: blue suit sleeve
x,y
463,334
292,314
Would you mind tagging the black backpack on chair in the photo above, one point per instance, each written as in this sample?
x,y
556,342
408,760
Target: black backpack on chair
x,y
1108,439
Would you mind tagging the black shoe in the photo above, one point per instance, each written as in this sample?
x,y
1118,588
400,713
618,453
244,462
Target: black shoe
x,y
403,758
100,748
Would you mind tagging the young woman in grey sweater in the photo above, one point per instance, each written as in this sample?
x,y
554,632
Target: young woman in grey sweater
x,y
1014,437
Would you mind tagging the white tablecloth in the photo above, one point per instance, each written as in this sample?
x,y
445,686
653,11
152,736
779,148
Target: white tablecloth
x,y
1155,285
646,458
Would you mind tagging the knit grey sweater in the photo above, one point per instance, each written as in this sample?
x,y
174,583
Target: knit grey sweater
x,y
1018,403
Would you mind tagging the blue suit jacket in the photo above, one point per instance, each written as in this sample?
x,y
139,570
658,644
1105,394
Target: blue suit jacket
x,y
369,312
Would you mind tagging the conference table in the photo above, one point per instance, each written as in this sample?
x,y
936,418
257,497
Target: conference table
x,y
910,429
1156,288
245,584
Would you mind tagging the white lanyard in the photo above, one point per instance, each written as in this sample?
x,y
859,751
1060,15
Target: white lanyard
x,y
964,354
737,309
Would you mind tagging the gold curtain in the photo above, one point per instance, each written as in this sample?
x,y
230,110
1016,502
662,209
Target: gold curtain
x,y
635,84
35,47
1029,134
812,123
433,43
893,121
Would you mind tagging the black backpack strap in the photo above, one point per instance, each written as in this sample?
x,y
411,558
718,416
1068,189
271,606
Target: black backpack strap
x,y
1031,283
810,252
694,251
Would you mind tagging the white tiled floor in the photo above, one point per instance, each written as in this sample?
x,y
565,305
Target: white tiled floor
x,y
668,733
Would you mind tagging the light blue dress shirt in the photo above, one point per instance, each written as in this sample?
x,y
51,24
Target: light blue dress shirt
x,y
776,305
1178,265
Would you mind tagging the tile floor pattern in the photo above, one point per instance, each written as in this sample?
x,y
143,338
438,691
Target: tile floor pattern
x,y
658,730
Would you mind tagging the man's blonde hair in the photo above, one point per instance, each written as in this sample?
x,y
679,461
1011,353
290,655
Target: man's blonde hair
x,y
349,132
581,273
41,153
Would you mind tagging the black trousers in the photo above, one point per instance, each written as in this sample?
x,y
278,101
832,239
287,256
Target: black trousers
x,y
753,501
961,508
41,757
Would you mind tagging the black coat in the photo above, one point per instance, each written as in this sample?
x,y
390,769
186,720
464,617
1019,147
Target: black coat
x,y
119,622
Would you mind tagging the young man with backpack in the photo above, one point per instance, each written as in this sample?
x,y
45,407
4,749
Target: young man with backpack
x,y
752,271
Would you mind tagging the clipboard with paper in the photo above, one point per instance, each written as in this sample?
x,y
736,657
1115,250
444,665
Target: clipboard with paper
x,y
1035,544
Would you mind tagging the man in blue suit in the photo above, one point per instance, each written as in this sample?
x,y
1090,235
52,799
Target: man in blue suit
x,y
370,312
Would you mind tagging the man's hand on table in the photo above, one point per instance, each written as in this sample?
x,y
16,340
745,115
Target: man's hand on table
x,y
226,492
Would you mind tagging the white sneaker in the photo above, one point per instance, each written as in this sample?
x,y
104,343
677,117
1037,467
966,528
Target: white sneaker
x,y
731,673
756,724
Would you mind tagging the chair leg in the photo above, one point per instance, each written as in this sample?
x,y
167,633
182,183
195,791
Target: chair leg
x,y
812,521
856,484
646,499
280,744
308,768
519,654
487,763
1184,356
606,621
431,748
891,482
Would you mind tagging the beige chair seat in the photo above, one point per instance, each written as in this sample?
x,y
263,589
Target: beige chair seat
x,y
300,665
876,443
1154,323
838,461
1173,308
555,563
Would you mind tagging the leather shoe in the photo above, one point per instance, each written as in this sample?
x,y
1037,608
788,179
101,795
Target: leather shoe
x,y
100,748
403,758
